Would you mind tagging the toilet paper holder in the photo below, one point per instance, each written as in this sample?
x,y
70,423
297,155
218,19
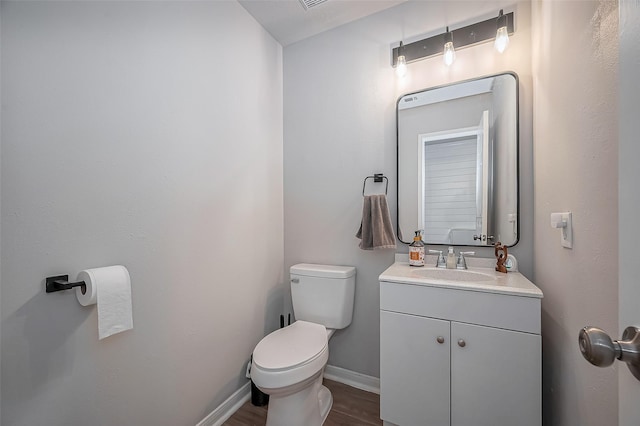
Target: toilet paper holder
x,y
61,282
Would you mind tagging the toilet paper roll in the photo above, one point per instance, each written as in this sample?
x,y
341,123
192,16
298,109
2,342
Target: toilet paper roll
x,y
110,289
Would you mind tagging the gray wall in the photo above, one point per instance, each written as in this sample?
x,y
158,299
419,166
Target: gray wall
x,y
629,197
576,145
147,134
339,96
0,208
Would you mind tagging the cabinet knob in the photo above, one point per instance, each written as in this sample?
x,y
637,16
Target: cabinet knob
x,y
462,343
440,339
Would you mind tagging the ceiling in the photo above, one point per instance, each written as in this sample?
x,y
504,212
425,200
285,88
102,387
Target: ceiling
x,y
288,21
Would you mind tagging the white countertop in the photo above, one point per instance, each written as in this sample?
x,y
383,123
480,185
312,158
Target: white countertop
x,y
511,283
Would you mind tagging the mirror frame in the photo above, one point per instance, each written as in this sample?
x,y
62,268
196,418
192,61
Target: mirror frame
x,y
517,152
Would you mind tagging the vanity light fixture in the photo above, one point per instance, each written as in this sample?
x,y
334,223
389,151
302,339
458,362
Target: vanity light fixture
x,y
449,52
502,34
401,63
470,35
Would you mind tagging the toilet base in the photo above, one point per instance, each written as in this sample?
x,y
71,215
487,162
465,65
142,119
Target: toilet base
x,y
309,406
325,400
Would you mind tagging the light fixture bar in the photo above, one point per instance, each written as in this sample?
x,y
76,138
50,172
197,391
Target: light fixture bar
x,y
465,36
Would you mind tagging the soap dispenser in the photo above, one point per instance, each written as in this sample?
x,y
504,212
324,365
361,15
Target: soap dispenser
x,y
416,251
451,259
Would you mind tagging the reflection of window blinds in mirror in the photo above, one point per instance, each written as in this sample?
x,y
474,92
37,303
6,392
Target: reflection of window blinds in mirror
x,y
449,187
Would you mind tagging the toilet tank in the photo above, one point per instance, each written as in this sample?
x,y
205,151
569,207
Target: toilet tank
x,y
323,294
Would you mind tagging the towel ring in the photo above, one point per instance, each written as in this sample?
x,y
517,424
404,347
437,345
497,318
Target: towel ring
x,y
377,177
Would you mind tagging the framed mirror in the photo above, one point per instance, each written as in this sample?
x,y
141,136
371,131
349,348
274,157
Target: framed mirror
x,y
458,163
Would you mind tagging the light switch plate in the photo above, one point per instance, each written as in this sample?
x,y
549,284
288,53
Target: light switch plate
x,y
563,221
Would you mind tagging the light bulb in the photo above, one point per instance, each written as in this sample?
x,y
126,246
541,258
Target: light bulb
x,y
502,35
502,39
449,53
401,62
401,66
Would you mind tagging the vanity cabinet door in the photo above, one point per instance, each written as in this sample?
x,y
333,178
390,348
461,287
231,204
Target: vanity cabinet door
x,y
414,370
495,377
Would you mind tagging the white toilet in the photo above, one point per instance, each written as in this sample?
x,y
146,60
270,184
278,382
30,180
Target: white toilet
x,y
288,363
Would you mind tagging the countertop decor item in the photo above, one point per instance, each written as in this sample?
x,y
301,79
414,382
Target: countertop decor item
x,y
501,257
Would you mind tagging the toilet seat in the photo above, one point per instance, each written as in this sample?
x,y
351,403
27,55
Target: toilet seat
x,y
290,355
291,346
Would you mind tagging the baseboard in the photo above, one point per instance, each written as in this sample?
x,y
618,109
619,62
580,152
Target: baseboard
x,y
353,379
225,410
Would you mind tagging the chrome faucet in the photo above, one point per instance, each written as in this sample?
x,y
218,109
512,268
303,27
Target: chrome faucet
x,y
441,262
462,263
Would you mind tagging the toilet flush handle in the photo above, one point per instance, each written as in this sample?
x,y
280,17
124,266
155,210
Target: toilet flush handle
x,y
295,280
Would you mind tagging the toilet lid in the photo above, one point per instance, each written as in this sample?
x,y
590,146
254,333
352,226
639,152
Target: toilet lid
x,y
291,346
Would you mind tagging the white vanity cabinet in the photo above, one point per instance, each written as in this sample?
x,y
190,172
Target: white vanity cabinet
x,y
459,354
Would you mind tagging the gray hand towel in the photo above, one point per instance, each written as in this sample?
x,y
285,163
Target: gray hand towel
x,y
376,229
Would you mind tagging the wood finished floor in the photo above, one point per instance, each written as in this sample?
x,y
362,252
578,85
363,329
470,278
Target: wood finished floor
x,y
351,407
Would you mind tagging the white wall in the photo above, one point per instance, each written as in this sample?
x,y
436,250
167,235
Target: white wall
x,y
147,134
339,107
575,150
